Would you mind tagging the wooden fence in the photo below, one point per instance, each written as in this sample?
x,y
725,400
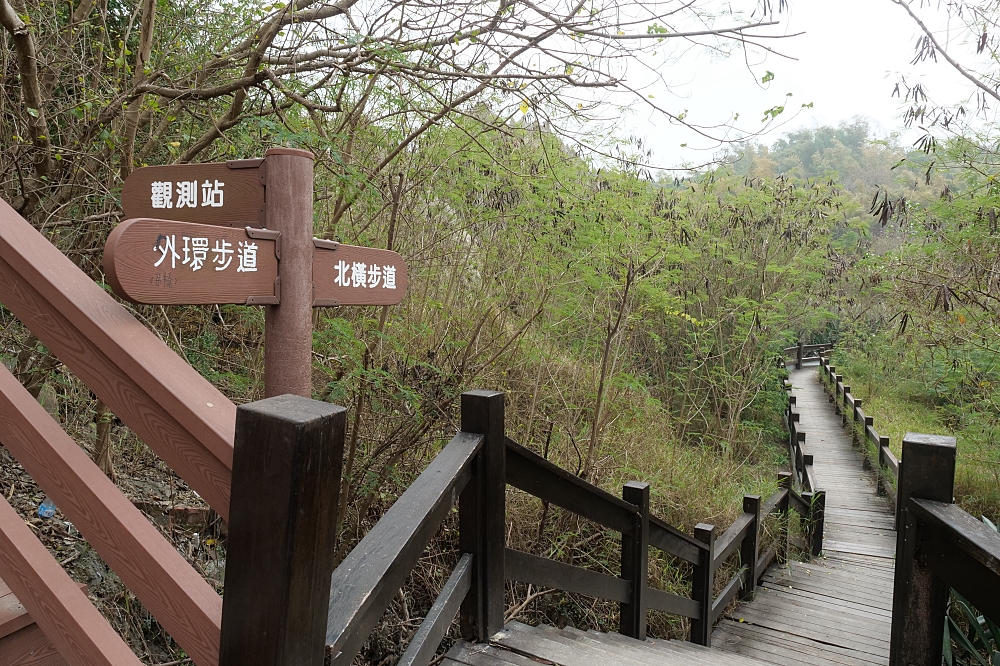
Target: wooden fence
x,y
476,466
178,413
877,454
803,352
938,545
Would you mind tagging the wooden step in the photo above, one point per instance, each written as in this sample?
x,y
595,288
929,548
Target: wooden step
x,y
521,645
22,643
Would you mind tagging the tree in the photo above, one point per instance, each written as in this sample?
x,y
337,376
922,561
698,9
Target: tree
x,y
91,93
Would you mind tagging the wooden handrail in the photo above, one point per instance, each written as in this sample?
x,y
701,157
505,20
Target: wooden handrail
x,y
370,576
731,539
729,593
176,595
181,416
961,550
883,460
77,629
672,541
530,472
774,501
425,642
528,568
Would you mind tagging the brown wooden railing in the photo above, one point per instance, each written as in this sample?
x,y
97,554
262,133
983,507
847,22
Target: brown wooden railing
x,y
475,468
805,496
177,412
938,545
803,352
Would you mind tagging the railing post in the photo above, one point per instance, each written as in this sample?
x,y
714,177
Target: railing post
x,y
482,518
286,474
748,548
920,599
784,481
843,408
854,421
701,585
635,562
798,357
866,462
882,442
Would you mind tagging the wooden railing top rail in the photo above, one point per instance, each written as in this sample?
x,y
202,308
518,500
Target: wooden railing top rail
x,y
177,412
530,472
731,539
808,348
370,576
962,551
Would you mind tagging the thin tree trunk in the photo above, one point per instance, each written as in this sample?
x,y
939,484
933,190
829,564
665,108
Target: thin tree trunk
x,y
612,333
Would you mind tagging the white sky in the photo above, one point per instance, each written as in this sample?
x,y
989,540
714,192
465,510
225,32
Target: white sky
x,y
847,66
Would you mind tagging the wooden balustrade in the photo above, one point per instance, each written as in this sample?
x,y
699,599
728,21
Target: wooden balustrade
x,y
802,352
804,495
365,583
177,412
173,409
938,545
878,455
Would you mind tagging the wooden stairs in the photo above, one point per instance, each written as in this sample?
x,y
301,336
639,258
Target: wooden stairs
x,y
22,643
521,645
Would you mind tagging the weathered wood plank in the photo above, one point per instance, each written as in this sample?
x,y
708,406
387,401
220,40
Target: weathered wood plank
x,y
527,568
29,647
370,576
442,613
537,476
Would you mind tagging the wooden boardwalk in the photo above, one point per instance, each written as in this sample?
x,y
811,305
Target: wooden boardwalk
x,y
837,608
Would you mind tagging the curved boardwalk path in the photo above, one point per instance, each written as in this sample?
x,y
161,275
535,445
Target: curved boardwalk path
x,y
835,609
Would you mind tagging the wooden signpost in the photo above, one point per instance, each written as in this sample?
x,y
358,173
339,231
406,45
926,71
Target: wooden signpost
x,y
241,232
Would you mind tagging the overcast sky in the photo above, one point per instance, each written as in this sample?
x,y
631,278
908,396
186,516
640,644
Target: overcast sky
x,y
848,63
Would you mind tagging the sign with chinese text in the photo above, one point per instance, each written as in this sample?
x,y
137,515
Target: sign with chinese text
x,y
352,275
222,193
167,262
164,262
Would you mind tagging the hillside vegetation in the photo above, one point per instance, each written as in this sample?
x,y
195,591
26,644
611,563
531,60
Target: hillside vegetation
x,y
634,320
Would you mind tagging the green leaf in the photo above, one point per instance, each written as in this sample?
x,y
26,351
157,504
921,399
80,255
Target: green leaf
x,y
769,76
32,112
963,641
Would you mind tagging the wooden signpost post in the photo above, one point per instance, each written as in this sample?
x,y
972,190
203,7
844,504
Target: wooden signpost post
x,y
241,232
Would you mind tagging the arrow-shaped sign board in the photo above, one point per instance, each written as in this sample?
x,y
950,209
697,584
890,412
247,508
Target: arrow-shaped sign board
x,y
221,193
180,263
